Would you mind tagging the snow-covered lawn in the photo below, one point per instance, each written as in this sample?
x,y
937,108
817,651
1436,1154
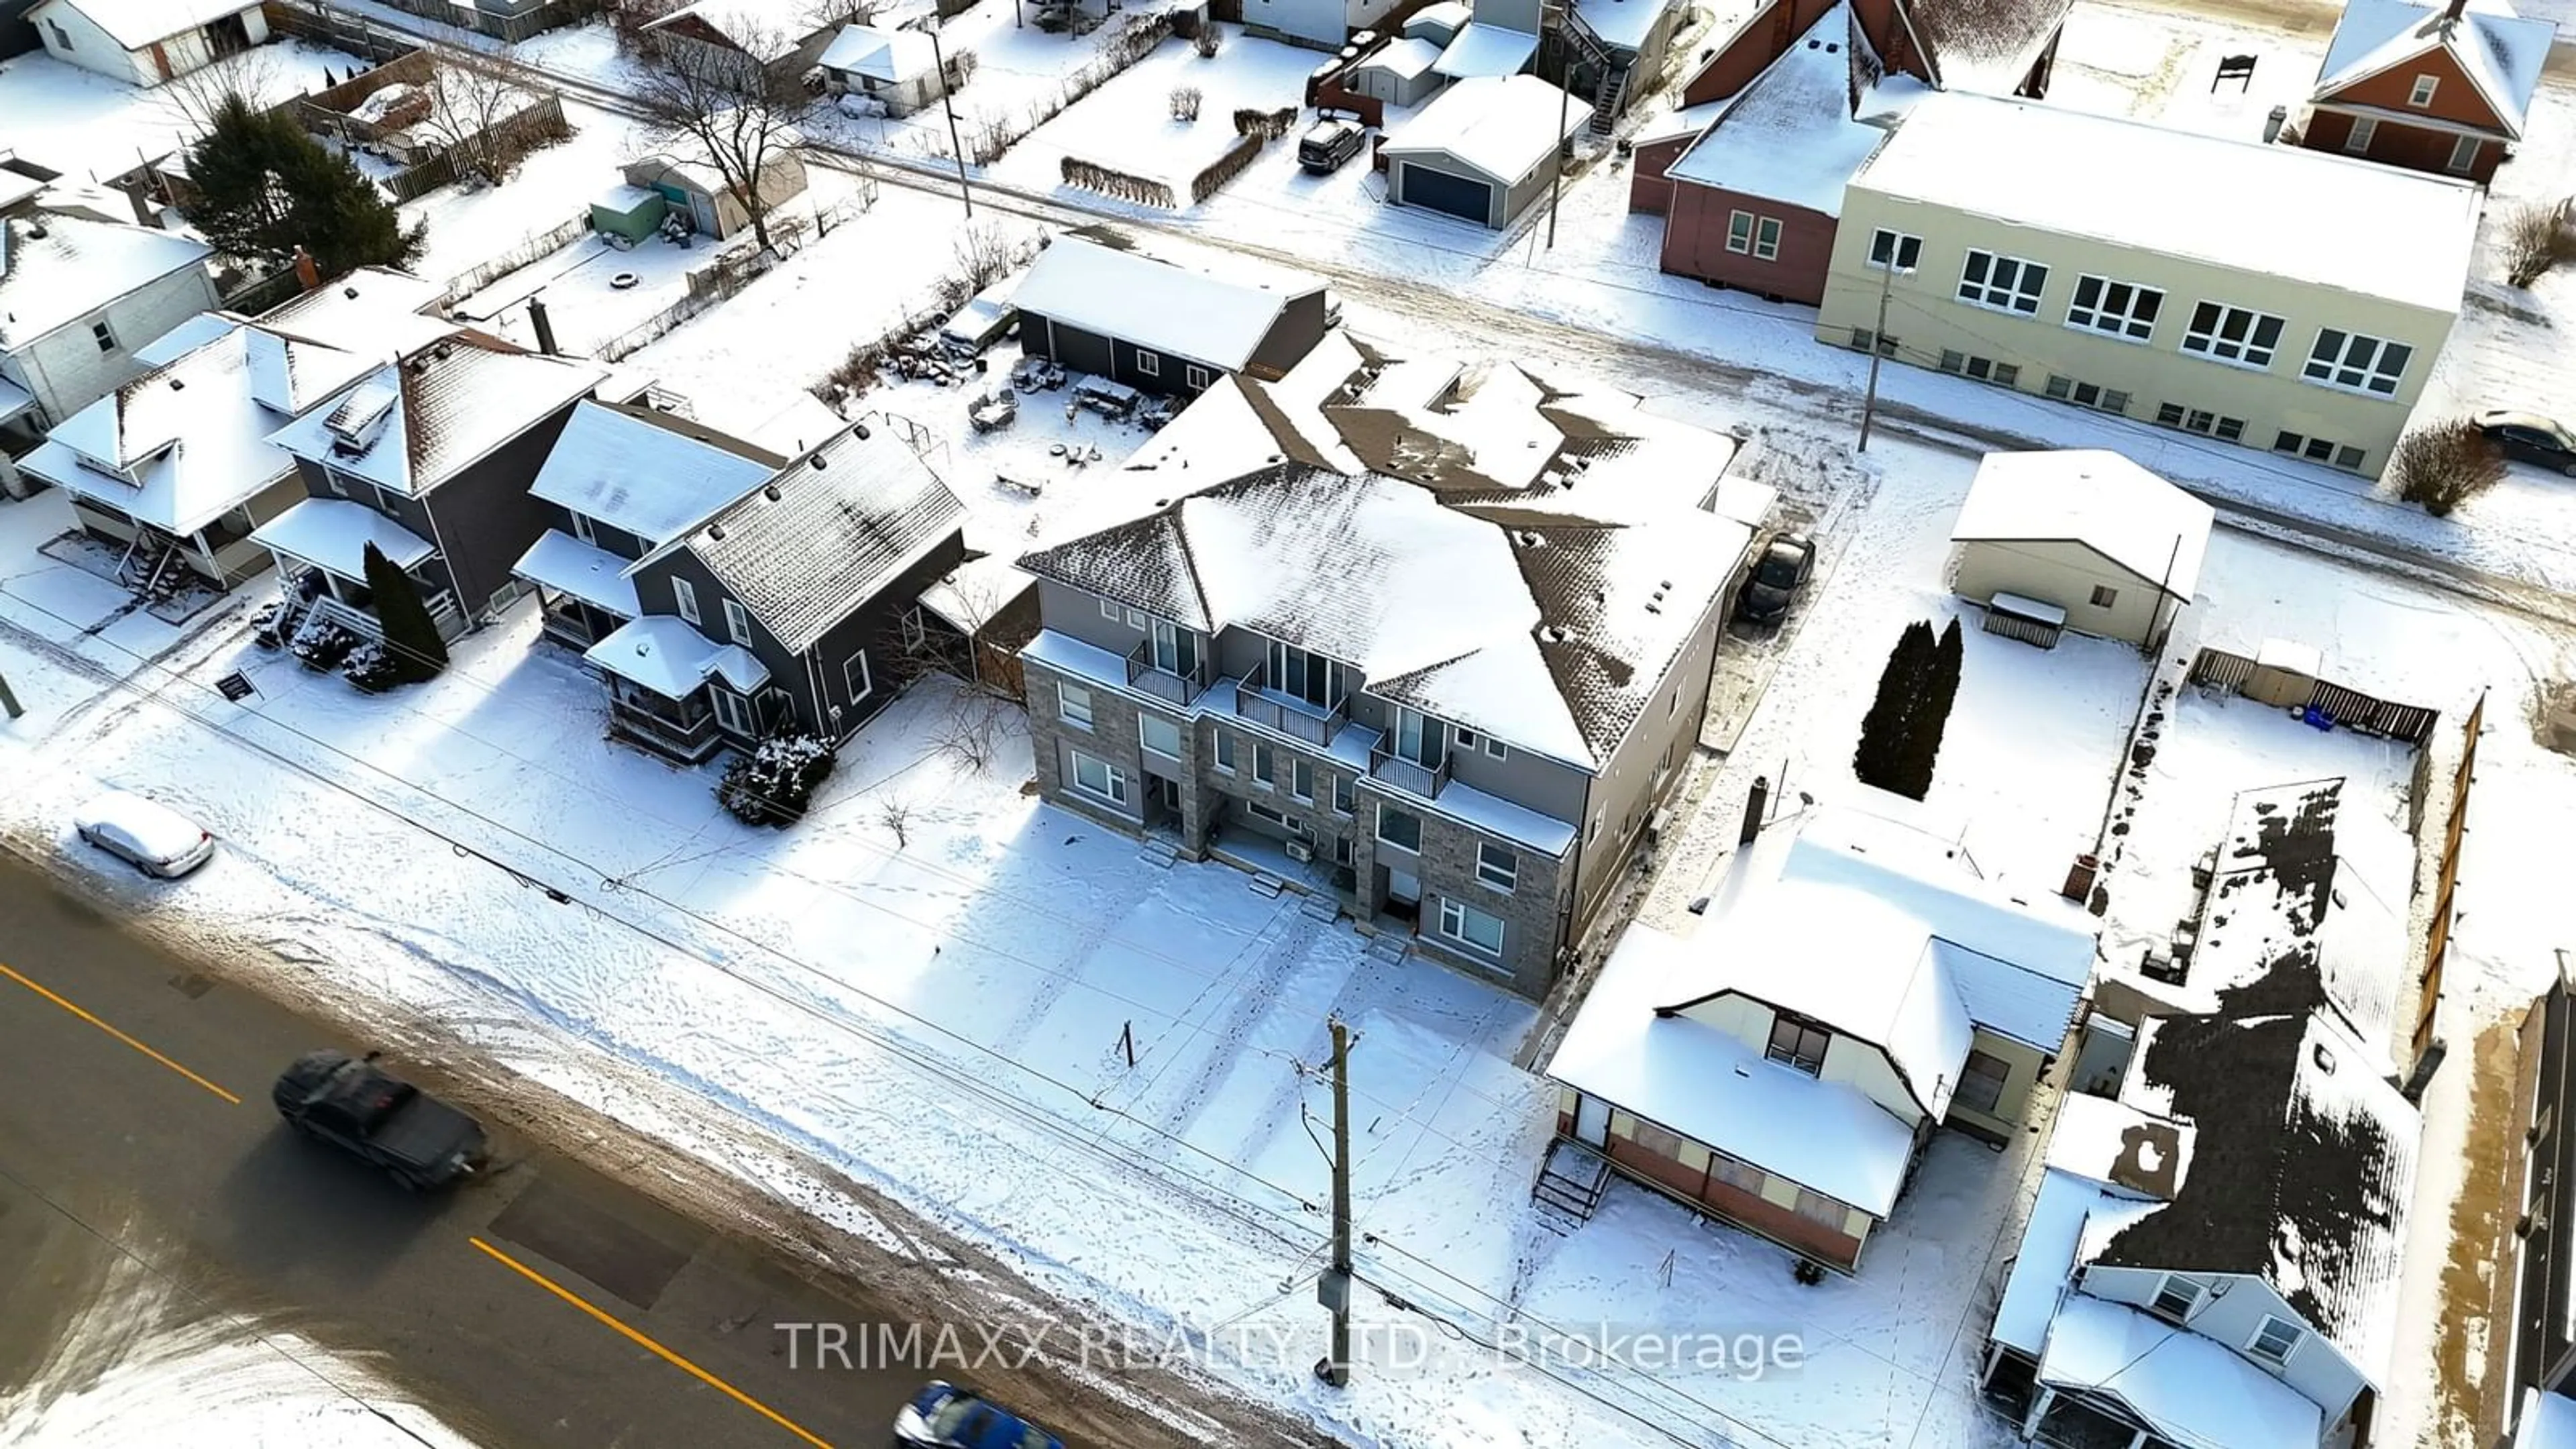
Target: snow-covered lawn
x,y
85,124
2163,68
1127,125
469,225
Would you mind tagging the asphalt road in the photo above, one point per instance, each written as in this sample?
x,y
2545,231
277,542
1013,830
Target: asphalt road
x,y
544,1304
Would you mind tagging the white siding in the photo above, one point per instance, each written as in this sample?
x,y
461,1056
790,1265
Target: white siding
x,y
2064,574
65,369
2229,1314
1317,22
1847,1059
69,36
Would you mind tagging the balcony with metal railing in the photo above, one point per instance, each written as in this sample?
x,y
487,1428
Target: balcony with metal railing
x,y
1178,687
1296,718
1410,776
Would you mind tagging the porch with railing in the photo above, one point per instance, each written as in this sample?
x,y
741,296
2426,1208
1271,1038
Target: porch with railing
x,y
1410,776
682,730
1296,718
1162,682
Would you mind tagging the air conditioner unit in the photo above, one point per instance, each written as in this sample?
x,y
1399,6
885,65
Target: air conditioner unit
x,y
1300,851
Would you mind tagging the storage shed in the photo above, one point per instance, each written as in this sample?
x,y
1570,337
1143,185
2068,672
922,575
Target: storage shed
x,y
2084,531
1399,74
632,212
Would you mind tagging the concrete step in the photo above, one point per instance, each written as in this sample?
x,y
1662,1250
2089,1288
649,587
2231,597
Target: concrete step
x,y
1268,885
1159,853
1321,906
1390,947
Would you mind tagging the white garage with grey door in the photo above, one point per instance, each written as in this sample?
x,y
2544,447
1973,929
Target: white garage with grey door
x,y
1484,149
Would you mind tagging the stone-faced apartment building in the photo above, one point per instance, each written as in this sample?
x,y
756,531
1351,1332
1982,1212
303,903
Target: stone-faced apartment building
x,y
1466,711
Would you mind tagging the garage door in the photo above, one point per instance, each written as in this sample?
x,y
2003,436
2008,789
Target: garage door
x,y
1441,191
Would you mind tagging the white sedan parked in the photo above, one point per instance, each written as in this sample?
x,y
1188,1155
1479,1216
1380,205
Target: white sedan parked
x,y
155,838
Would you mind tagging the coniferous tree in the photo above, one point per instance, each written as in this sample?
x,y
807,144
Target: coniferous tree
x,y
267,188
410,633
1932,713
1885,730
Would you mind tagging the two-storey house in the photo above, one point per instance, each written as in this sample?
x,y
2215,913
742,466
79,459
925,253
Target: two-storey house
x,y
2444,88
428,457
77,297
2211,286
1855,986
1467,705
794,605
175,468
619,483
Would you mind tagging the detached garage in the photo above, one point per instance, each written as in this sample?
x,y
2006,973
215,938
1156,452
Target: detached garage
x,y
2081,539
1483,149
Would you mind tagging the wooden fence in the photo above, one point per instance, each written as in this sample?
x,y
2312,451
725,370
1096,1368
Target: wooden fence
x,y
491,269
2348,708
339,30
542,121
2446,881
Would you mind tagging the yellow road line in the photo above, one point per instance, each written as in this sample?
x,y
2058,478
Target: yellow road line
x,y
666,1355
120,1036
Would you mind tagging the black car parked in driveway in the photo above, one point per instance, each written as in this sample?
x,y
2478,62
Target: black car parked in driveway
x,y
1776,578
420,1141
2531,438
1327,144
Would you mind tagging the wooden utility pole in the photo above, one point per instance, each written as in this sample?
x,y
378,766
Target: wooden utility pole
x,y
1334,1289
1877,348
9,701
1564,117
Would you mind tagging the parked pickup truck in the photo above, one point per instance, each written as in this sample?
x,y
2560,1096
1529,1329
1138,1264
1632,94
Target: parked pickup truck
x,y
420,1141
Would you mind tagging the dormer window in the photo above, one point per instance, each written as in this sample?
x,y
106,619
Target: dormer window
x,y
1798,1042
2275,1341
2175,1298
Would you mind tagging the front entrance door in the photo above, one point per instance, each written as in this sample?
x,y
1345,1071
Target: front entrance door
x,y
1164,791
1591,1121
1403,894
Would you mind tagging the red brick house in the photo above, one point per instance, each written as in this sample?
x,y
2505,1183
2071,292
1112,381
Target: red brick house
x,y
2444,89
1749,173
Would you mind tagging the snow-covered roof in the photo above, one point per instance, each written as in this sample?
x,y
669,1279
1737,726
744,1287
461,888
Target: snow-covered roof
x,y
2546,1421
2499,51
2301,1168
1694,1079
185,338
57,269
16,186
1621,24
190,433
1447,16
2112,1143
1403,59
1480,50
646,473
1789,136
417,421
663,654
587,572
333,533
2044,1260
372,309
14,399
1674,125
764,29
135,24
1177,311
2192,1390
819,541
1984,46
2146,526
882,55
1885,934
1502,125
2276,211
1551,636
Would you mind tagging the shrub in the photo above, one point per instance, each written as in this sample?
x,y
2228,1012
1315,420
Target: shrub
x,y
1225,168
1209,39
371,667
1091,176
1185,103
265,625
2537,239
2445,464
321,644
1268,125
775,783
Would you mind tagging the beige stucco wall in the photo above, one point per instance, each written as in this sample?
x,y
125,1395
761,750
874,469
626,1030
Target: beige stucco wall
x,y
2064,574
1847,1059
2014,1101
1925,317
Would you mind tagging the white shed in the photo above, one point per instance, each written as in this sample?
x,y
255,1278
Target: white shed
x,y
146,42
1399,73
1483,148
897,67
2085,531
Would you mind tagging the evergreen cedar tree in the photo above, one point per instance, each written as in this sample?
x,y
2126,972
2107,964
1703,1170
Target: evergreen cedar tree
x,y
410,634
267,188
1900,737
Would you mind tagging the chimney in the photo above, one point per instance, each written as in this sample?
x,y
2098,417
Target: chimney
x,y
2079,878
1754,801
2452,12
545,328
307,273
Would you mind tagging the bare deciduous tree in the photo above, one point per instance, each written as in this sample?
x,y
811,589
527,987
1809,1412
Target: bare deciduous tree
x,y
719,102
469,100
193,97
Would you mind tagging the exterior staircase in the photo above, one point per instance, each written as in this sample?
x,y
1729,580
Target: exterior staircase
x,y
1571,1182
1159,852
1390,947
1610,100
1319,906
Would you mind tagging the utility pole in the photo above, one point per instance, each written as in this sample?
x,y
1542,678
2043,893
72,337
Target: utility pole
x,y
1564,116
9,701
1877,347
1333,1290
927,25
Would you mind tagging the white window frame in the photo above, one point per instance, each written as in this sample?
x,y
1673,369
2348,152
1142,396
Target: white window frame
x,y
1766,238
1904,248
1453,928
1145,719
1138,619
1496,749
2365,129
2333,363
339,485
2244,349
1073,704
1113,780
684,597
1222,753
2168,1284
916,629
737,622
2254,1346
582,530
1196,376
2114,310
1979,287
2421,94
1301,779
1739,232
858,676
1502,877
2464,155
732,710
1148,363
1109,610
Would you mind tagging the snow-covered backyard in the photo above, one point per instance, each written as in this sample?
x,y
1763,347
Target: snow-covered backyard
x,y
87,125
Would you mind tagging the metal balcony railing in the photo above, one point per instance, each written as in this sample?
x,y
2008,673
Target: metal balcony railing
x,y
1143,673
1296,719
1407,775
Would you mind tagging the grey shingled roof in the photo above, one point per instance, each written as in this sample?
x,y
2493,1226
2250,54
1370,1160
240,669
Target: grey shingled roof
x,y
815,544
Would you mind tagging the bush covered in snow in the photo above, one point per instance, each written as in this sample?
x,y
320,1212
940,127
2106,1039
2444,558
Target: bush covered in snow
x,y
321,644
2538,238
372,668
2444,465
775,782
265,625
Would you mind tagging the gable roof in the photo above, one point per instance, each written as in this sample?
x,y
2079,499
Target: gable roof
x,y
192,434
1789,134
56,269
1501,125
2501,53
1981,46
823,537
644,473
1177,311
413,423
135,24
2144,525
884,55
734,22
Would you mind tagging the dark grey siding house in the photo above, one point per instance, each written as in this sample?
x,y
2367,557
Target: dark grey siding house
x,y
1161,328
2544,1339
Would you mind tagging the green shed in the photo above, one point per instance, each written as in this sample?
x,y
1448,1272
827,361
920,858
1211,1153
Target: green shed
x,y
632,212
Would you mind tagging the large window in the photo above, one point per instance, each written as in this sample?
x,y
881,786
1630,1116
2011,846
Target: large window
x,y
854,672
732,710
1420,738
1099,779
1158,734
1310,677
2175,1298
684,597
2275,1341
1175,649
2007,284
2233,334
1497,866
1399,828
1073,704
1981,1082
2357,363
1799,1043
1904,250
2122,309
1472,928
